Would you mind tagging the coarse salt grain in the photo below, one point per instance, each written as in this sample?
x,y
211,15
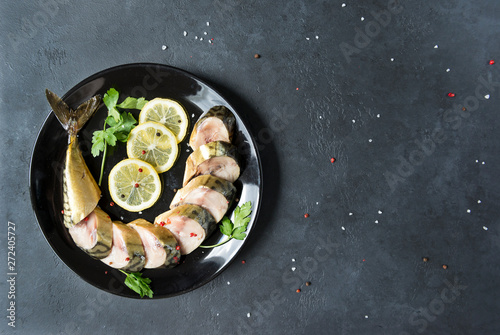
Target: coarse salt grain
x,y
378,115
479,201
343,228
307,38
380,212
343,5
205,33
139,213
362,18
208,23
248,315
201,38
294,268
317,37
370,140
353,121
366,316
482,163
163,47
448,70
229,283
185,33
293,259
468,211
350,214
487,96
392,59
376,221
485,228
436,46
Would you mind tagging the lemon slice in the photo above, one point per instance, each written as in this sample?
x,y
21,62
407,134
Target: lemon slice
x,y
167,112
152,142
134,185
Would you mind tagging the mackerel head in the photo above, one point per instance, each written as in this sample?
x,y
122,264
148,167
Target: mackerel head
x,y
80,191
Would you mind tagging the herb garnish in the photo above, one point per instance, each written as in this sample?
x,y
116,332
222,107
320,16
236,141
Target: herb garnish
x,y
138,284
120,124
237,228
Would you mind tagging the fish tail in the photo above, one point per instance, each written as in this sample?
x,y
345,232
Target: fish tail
x,y
72,120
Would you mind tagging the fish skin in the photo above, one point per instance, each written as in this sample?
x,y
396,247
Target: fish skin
x,y
80,190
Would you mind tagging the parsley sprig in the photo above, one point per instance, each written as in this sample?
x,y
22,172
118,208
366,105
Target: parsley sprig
x,y
117,125
237,228
138,284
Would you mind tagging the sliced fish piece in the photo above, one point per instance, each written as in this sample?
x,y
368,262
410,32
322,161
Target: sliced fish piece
x,y
127,252
218,159
80,191
212,193
94,234
216,125
160,246
190,224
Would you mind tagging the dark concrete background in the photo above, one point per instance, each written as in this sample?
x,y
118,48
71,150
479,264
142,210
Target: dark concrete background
x,y
402,147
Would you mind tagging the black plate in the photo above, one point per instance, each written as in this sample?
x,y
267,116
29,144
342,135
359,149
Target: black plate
x,y
150,81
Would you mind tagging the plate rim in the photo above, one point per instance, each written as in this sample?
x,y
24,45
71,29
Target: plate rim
x,y
94,76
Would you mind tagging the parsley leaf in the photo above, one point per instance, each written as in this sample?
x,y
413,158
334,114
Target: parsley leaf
x,y
138,284
236,229
110,99
242,215
132,103
227,226
98,142
120,124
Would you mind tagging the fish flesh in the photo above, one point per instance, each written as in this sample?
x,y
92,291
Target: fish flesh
x,y
190,224
160,246
218,159
80,191
212,193
94,234
216,125
127,252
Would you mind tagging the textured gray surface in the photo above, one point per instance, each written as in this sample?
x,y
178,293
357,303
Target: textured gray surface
x,y
305,103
